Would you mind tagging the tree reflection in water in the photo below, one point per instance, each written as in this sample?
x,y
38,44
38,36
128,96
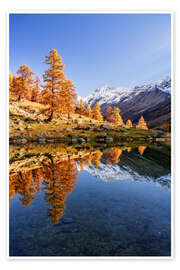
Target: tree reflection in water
x,y
113,155
57,178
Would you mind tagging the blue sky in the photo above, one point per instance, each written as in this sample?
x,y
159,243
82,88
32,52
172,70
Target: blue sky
x,y
122,50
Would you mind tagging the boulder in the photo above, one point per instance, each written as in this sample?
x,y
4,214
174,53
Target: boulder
x,y
109,139
81,140
102,135
42,140
160,139
162,130
106,127
20,140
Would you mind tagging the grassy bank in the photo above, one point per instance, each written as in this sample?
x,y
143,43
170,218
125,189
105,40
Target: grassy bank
x,y
27,124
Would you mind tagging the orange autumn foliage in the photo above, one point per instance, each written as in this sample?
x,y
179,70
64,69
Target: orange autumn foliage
x,y
88,112
60,179
96,158
89,159
117,119
25,184
128,124
36,95
142,124
53,78
113,155
141,149
128,149
23,87
58,92
96,112
67,97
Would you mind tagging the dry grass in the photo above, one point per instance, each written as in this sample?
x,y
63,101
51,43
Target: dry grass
x,y
29,105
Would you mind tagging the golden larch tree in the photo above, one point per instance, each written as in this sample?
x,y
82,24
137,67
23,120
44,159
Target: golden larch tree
x,y
117,119
97,112
67,98
141,149
17,87
128,149
36,96
10,85
53,78
142,124
80,108
12,92
128,124
25,83
88,111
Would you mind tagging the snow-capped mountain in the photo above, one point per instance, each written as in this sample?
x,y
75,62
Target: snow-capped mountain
x,y
112,94
152,167
78,99
165,85
152,100
112,172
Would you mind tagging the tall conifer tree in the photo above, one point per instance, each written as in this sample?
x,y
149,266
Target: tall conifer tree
x,y
97,112
53,78
24,82
117,119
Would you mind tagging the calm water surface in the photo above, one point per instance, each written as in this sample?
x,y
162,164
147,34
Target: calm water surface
x,y
111,203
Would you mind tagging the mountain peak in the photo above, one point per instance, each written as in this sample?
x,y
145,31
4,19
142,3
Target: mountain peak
x,y
144,99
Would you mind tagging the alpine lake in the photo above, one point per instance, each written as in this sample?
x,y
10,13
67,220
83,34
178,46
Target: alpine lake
x,y
73,200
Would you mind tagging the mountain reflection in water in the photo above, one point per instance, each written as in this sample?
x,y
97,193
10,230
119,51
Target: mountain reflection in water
x,y
57,177
55,174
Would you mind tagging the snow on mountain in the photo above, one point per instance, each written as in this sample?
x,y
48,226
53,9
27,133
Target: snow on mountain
x,y
112,172
165,85
78,99
112,94
152,100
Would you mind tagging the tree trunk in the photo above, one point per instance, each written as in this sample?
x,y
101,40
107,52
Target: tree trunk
x,y
49,118
19,98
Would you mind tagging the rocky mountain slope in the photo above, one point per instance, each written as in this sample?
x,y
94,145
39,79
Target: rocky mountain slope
x,y
153,101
